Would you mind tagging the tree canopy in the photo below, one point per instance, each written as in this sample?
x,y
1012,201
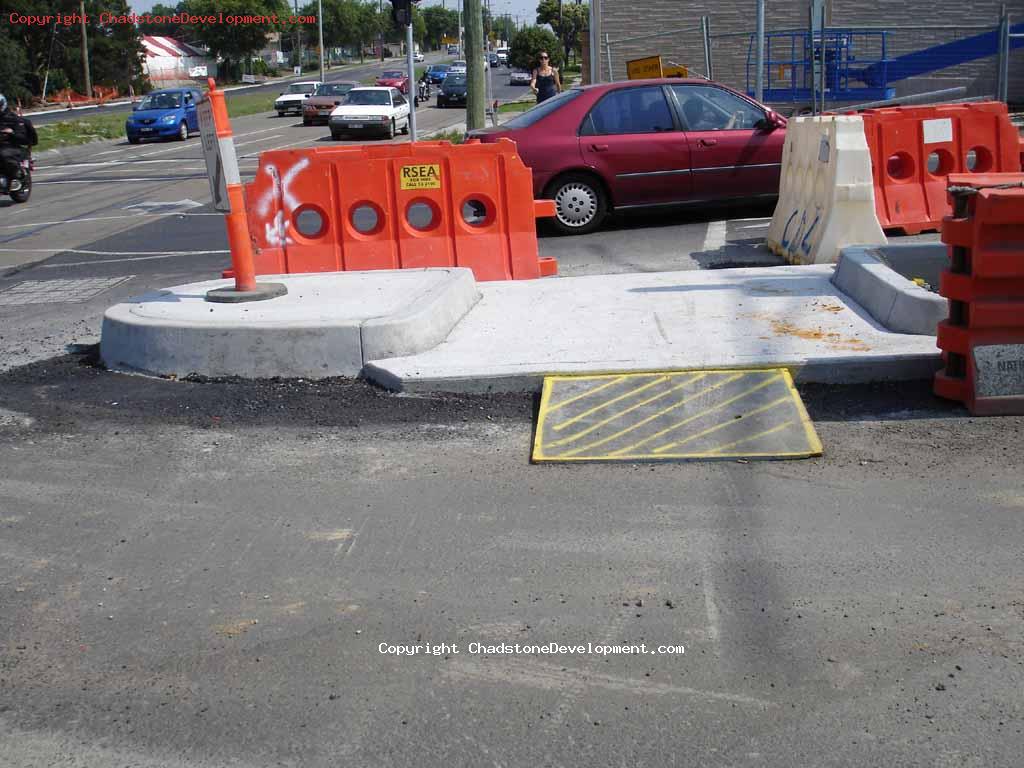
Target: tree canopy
x,y
530,41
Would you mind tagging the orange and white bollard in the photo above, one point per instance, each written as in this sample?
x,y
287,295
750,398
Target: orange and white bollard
x,y
228,196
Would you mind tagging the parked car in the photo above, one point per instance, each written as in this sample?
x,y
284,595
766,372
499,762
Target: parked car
x,y
453,91
371,110
394,78
418,56
492,60
643,143
458,67
318,107
296,93
436,73
520,77
453,50
164,114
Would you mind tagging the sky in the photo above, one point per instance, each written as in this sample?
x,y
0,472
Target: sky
x,y
526,9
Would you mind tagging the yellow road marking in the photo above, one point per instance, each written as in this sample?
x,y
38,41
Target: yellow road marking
x,y
696,416
784,399
588,393
613,401
650,418
632,408
753,437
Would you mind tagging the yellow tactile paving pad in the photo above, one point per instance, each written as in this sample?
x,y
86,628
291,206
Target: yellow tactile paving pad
x,y
673,415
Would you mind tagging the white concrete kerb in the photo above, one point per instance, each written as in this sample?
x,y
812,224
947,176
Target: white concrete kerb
x,y
327,325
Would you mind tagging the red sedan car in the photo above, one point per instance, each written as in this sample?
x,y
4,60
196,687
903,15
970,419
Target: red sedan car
x,y
394,78
644,143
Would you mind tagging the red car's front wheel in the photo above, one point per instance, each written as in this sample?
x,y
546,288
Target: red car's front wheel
x,y
581,203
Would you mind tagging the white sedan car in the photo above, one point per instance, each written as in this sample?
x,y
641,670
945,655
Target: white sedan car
x,y
371,110
457,67
291,100
418,56
520,77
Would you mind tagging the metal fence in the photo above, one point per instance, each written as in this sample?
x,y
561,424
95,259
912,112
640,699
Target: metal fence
x,y
847,58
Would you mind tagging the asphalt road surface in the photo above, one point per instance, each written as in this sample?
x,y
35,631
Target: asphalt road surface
x,y
200,574
357,72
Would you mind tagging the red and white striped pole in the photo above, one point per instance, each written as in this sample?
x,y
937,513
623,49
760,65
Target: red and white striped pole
x,y
246,288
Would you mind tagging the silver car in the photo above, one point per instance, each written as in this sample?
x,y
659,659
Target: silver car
x,y
520,77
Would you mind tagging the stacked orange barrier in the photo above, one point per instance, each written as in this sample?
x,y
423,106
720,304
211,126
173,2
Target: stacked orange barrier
x,y
914,149
983,339
396,206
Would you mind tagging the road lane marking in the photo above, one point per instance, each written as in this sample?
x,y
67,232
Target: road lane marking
x,y
715,237
105,218
118,180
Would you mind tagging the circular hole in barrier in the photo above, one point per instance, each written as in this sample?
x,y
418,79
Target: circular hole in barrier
x,y
476,212
366,219
978,160
422,215
900,166
309,221
940,163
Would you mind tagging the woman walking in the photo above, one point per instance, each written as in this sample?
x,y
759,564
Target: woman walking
x,y
546,82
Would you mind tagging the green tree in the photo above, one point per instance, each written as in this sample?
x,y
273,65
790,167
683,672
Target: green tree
x,y
440,23
568,20
14,69
167,28
116,54
233,43
367,26
530,41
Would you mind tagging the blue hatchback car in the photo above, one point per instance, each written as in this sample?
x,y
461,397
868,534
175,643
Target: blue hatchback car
x,y
168,114
436,73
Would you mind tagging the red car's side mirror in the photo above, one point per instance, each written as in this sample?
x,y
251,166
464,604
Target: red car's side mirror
x,y
773,120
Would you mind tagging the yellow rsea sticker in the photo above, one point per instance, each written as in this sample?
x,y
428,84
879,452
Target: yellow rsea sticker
x,y
421,177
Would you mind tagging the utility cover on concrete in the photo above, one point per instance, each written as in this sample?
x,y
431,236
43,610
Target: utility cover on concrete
x,y
721,414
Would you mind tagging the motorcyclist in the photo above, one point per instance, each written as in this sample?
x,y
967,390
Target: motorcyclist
x,y
16,136
424,85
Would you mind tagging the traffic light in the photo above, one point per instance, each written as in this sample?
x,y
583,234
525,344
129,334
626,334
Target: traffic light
x,y
401,11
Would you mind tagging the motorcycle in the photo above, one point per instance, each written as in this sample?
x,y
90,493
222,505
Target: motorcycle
x,y
20,187
424,91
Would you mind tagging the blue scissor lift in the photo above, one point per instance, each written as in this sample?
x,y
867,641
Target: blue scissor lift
x,y
857,65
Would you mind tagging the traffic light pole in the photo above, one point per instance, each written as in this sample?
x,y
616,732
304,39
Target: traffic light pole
x,y
413,85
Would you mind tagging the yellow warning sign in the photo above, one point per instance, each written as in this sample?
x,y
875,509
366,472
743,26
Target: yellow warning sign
x,y
675,71
421,177
718,414
641,69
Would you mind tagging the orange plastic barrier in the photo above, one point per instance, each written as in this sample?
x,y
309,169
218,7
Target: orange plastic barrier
x,y
914,149
983,339
396,206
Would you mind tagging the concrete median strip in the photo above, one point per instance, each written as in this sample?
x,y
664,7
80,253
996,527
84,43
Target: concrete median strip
x,y
327,325
438,330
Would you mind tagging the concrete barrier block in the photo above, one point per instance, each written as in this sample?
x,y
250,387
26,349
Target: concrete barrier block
x,y
894,301
826,192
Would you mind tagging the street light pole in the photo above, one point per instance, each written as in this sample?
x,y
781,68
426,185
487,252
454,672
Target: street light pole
x,y
320,19
85,54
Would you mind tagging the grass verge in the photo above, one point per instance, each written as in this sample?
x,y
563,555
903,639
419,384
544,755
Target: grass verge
x,y
453,136
516,106
249,103
67,133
